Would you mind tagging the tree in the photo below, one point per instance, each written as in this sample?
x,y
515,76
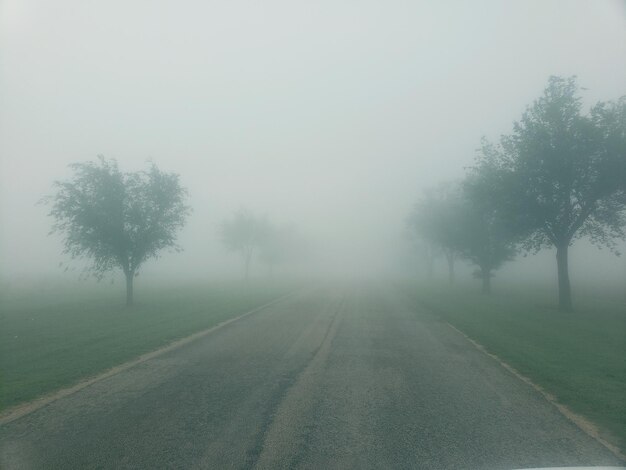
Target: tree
x,y
244,233
486,239
119,220
561,174
611,118
278,245
435,220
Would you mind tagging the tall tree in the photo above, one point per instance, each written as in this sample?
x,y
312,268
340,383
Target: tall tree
x,y
118,220
435,220
245,233
561,174
486,239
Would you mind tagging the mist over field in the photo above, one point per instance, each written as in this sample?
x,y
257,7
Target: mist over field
x,y
326,234
330,116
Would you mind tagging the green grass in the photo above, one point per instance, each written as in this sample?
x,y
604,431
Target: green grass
x,y
579,357
53,336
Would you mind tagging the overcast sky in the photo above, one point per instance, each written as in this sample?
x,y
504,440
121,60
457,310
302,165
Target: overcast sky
x,y
333,115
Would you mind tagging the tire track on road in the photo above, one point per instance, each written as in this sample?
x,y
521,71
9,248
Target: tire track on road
x,y
285,435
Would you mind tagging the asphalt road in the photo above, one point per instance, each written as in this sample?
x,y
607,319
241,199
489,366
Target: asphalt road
x,y
337,377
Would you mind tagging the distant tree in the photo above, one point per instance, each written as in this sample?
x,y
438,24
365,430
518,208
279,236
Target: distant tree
x,y
435,221
486,239
119,220
245,233
427,252
561,174
279,245
611,119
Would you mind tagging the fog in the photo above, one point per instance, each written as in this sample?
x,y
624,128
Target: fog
x,y
331,116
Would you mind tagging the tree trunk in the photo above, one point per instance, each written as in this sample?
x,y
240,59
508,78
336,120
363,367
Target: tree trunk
x,y
450,258
129,288
565,290
486,277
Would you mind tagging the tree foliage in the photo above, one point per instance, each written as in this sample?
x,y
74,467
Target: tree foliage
x,y
245,232
435,221
560,175
117,219
462,220
486,239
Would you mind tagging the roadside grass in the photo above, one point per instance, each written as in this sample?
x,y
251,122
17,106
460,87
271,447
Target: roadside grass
x,y
52,337
579,357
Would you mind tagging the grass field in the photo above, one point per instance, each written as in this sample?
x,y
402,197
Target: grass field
x,y
579,357
52,336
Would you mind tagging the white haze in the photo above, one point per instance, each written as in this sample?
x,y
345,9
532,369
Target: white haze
x,y
331,115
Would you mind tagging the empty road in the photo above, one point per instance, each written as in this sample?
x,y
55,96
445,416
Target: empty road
x,y
334,377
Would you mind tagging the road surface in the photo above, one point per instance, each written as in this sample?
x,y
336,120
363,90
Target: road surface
x,y
335,377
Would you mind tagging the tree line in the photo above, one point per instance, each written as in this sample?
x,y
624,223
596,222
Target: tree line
x,y
247,234
119,220
559,176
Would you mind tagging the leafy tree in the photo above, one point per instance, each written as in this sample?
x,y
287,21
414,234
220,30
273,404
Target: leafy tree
x,y
560,174
118,220
486,239
245,233
435,220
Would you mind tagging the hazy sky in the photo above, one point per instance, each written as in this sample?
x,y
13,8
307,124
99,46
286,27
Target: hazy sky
x,y
333,115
